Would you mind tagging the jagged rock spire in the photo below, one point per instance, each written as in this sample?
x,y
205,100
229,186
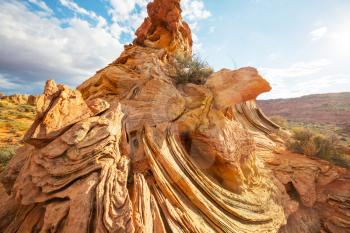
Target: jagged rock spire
x,y
164,28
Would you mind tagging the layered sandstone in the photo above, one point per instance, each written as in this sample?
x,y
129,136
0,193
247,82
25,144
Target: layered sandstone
x,y
130,151
20,99
164,28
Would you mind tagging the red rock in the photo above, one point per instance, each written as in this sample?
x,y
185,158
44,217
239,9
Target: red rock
x,y
234,87
129,151
57,109
20,99
164,28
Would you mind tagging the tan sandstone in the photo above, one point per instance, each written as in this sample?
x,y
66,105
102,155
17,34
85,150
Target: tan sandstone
x,y
130,151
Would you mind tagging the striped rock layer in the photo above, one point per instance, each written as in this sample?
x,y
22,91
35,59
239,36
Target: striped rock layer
x,y
131,151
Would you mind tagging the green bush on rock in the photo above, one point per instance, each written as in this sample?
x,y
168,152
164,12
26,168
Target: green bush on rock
x,y
191,69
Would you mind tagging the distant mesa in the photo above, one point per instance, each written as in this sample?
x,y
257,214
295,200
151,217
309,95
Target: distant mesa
x,y
331,108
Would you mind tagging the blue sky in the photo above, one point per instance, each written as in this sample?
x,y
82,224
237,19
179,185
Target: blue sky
x,y
301,47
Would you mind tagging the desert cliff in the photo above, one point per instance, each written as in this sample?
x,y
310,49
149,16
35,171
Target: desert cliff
x,y
130,150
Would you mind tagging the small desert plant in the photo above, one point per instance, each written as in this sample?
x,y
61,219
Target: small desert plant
x,y
5,104
6,154
279,120
327,146
302,142
329,150
18,114
4,118
307,142
191,70
26,108
18,126
342,160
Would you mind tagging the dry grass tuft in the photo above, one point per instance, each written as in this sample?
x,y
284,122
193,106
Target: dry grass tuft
x,y
323,145
191,70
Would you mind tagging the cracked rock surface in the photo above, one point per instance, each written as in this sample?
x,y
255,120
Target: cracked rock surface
x,y
131,151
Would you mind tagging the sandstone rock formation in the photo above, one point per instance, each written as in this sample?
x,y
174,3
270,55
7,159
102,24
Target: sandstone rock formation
x,y
20,99
164,28
130,151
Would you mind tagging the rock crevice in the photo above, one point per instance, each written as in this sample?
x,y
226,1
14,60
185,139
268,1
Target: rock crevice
x,y
129,151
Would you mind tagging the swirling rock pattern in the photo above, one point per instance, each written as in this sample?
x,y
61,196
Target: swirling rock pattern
x,y
130,151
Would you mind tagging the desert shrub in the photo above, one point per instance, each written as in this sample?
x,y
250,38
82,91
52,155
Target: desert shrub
x,y
25,108
18,126
342,160
307,142
327,146
279,120
4,118
302,142
190,69
4,104
21,114
6,154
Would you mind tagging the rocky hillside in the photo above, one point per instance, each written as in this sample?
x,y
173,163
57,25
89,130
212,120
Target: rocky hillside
x,y
133,149
15,119
321,109
17,113
20,99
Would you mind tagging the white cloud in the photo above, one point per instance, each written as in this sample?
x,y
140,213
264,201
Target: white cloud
x,y
42,5
318,33
36,48
322,84
36,45
194,10
70,4
126,15
123,9
123,13
301,78
76,8
298,69
197,46
6,84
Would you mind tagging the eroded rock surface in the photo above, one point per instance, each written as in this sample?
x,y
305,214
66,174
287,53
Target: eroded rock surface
x,y
164,28
20,99
129,151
